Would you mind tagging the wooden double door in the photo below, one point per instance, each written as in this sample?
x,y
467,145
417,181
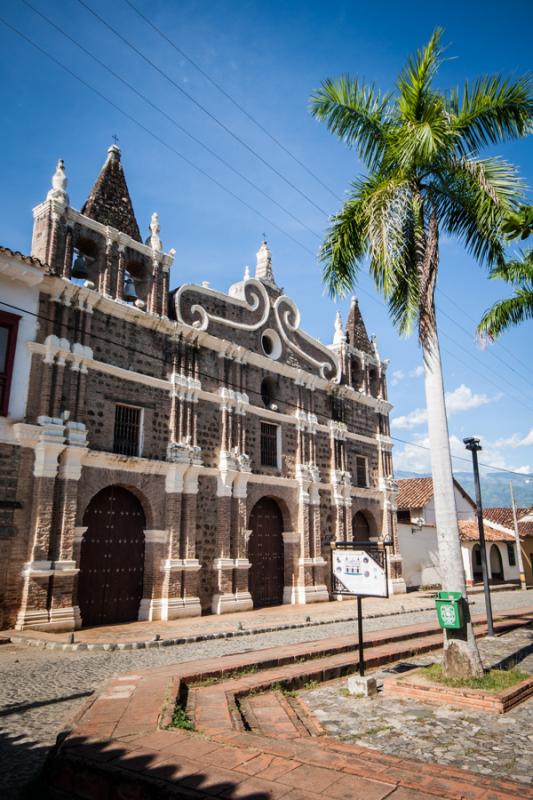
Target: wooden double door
x,y
265,553
110,582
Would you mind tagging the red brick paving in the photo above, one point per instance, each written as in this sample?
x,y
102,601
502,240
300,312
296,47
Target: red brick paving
x,y
116,749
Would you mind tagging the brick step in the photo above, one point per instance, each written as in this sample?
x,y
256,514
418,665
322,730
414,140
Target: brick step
x,y
223,706
276,656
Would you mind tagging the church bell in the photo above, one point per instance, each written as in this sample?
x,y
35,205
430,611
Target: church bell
x,y
79,268
130,295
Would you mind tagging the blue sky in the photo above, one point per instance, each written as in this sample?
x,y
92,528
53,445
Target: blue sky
x,y
269,57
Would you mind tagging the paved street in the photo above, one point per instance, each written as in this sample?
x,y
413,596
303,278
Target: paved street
x,y
41,689
493,744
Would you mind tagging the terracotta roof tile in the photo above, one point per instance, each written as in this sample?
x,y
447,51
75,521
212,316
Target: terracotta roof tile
x,y
34,262
469,532
503,515
414,492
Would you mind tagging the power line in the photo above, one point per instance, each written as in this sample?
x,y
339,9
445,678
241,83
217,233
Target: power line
x,y
192,164
171,119
228,383
463,458
494,355
230,97
155,136
471,318
202,107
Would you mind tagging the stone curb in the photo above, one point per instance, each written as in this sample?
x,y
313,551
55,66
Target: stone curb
x,y
204,637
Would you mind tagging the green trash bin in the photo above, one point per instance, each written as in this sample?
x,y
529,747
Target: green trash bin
x,y
449,609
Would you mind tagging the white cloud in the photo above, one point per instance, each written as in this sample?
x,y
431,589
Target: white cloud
x,y
397,376
516,440
417,417
414,457
461,399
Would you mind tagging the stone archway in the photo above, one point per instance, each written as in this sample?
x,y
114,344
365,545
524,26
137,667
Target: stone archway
x,y
110,582
361,527
265,553
496,563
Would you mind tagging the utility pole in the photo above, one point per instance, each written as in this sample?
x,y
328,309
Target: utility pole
x,y
474,446
520,561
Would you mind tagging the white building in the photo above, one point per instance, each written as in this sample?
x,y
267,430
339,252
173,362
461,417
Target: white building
x,y
417,538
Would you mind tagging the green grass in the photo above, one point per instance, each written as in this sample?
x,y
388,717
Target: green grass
x,y
180,719
494,680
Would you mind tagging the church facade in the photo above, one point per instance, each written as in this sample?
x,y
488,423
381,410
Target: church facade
x,y
172,453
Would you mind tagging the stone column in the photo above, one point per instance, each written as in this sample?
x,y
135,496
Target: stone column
x,y
243,598
38,570
64,613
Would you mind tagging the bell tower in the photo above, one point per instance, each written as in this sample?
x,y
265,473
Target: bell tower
x,y
101,245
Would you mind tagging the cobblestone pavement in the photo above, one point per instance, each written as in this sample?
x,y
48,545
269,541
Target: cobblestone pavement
x,y
40,690
494,744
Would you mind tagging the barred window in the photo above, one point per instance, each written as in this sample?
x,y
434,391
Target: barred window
x,y
361,477
511,555
127,433
269,445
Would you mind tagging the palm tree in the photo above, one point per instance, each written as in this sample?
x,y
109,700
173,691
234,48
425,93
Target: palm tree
x,y
424,175
515,309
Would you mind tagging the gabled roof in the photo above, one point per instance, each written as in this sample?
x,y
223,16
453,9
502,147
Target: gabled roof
x,y
469,532
503,515
417,492
356,330
109,201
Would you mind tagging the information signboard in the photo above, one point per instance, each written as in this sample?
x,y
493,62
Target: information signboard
x,y
359,569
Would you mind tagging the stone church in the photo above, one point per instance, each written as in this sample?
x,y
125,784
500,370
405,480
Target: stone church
x,y
172,453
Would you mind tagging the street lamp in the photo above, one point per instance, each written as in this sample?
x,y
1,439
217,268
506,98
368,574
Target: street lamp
x,y
472,444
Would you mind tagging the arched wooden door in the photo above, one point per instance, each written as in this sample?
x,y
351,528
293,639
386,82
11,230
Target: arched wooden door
x,y
110,583
496,563
265,553
360,528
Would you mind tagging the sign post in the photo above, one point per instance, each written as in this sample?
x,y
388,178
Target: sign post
x,y
359,569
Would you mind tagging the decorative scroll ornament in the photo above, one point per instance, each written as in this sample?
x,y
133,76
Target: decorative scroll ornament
x,y
252,298
288,320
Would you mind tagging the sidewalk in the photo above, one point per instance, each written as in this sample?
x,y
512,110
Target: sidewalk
x,y
122,743
139,634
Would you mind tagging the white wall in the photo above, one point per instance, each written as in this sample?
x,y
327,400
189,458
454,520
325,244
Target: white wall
x,y
17,294
420,566
509,573
464,509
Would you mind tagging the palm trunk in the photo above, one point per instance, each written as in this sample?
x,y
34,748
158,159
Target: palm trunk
x,y
461,655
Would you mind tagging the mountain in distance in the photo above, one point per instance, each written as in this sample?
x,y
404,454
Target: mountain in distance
x,y
494,487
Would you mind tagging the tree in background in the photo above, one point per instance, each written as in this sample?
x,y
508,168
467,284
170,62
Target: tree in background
x,y
424,176
518,273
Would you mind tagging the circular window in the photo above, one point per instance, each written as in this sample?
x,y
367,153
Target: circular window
x,y
271,344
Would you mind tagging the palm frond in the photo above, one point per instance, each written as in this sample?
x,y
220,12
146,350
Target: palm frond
x,y
492,110
517,271
344,248
506,314
414,83
472,198
354,112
